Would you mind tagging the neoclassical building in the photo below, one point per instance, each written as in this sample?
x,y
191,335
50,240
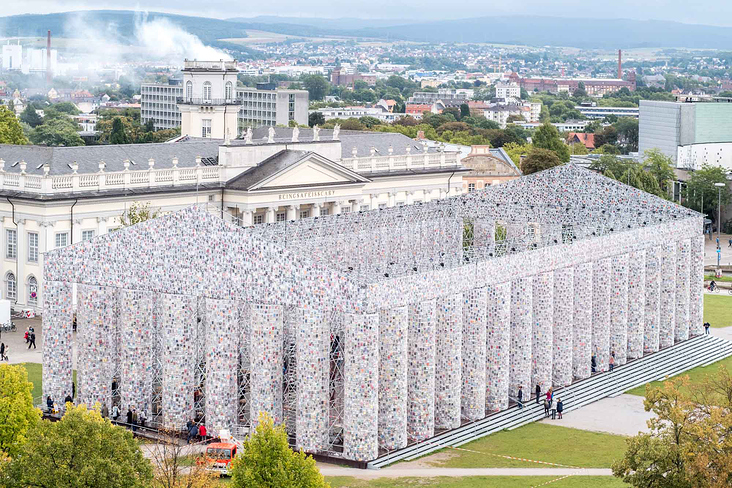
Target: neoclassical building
x,y
53,197
487,166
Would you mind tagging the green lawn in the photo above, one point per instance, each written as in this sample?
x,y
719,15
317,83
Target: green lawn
x,y
538,442
718,310
35,376
479,482
695,375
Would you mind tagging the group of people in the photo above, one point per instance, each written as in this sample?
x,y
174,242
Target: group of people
x,y
135,418
194,431
30,337
593,362
549,398
51,406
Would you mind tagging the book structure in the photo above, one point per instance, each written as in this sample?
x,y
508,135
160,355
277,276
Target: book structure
x,y
367,331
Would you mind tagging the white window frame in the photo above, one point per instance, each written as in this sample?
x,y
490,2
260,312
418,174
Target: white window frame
x,y
228,91
87,234
304,214
57,239
365,208
33,247
32,301
258,219
206,91
11,286
11,244
345,209
189,90
281,217
205,127
324,211
471,187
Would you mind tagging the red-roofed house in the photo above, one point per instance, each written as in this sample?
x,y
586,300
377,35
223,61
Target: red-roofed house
x,y
588,140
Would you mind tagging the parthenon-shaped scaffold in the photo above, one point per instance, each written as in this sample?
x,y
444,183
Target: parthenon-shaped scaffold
x,y
365,331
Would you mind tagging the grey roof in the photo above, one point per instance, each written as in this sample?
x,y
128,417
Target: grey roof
x,y
270,166
501,154
88,157
363,141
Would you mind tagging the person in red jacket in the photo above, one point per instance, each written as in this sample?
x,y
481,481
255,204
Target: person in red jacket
x,y
202,431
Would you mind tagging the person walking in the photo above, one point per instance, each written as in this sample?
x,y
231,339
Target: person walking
x,y
2,351
612,361
135,419
192,432
189,430
546,408
49,403
706,327
129,417
538,393
560,407
550,396
143,417
593,362
730,243
105,411
520,397
32,340
115,412
26,336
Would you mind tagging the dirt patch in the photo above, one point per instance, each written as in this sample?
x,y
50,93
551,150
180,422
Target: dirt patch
x,y
432,461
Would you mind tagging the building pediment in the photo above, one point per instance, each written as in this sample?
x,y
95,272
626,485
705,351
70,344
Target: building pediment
x,y
288,169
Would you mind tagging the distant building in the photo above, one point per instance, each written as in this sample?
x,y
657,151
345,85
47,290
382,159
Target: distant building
x,y
417,109
209,106
593,86
340,77
586,139
461,95
269,105
159,103
12,57
488,167
668,125
595,112
379,112
508,90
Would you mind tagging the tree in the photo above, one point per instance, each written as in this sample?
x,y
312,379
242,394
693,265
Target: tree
x,y
316,85
688,443
168,456
661,167
547,137
138,212
17,413
30,116
268,461
149,126
516,150
538,160
82,449
67,108
464,110
369,121
60,131
316,118
454,111
700,188
118,135
10,130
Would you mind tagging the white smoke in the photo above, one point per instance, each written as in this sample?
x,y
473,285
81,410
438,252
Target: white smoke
x,y
161,39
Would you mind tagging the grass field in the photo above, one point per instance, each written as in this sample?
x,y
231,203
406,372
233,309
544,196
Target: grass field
x,y
35,376
538,442
480,482
718,309
695,375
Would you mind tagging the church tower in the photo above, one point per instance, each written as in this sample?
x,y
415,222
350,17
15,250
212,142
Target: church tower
x,y
209,106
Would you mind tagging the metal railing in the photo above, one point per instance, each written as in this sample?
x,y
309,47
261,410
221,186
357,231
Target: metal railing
x,y
423,160
208,101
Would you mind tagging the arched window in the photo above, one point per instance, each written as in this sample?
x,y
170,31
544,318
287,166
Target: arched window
x,y
32,291
207,91
11,286
227,95
189,90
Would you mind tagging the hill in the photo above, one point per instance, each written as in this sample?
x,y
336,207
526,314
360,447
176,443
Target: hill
x,y
340,24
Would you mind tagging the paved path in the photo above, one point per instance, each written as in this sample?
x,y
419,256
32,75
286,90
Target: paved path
x,y
710,250
397,472
621,415
723,332
19,352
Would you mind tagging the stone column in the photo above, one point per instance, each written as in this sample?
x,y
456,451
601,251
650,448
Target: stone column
x,y
316,210
361,376
57,341
266,322
96,333
582,335
448,376
374,202
652,327
498,346
563,321
292,212
312,348
136,349
475,304
102,225
542,339
393,325
179,326
601,313
521,337
636,303
270,215
682,290
247,218
421,372
668,294
696,286
619,308
336,208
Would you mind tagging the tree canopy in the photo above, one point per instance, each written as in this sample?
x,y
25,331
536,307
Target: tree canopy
x,y
547,137
700,192
539,159
316,85
17,414
82,449
30,116
138,212
10,130
267,461
57,131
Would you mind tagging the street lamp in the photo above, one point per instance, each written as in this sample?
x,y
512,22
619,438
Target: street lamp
x,y
719,210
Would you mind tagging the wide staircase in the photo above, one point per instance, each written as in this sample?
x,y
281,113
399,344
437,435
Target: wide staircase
x,y
699,351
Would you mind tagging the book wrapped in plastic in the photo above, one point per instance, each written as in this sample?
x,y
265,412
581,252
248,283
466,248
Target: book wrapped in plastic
x,y
393,324
563,325
498,337
696,286
421,370
601,279
57,341
222,357
543,338
312,379
521,337
636,303
475,307
178,324
582,330
136,349
683,249
652,327
619,308
448,361
667,330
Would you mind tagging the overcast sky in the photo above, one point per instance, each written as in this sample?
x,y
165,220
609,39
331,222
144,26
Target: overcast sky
x,y
712,12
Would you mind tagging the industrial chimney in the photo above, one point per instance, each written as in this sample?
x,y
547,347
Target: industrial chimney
x,y
620,64
48,59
